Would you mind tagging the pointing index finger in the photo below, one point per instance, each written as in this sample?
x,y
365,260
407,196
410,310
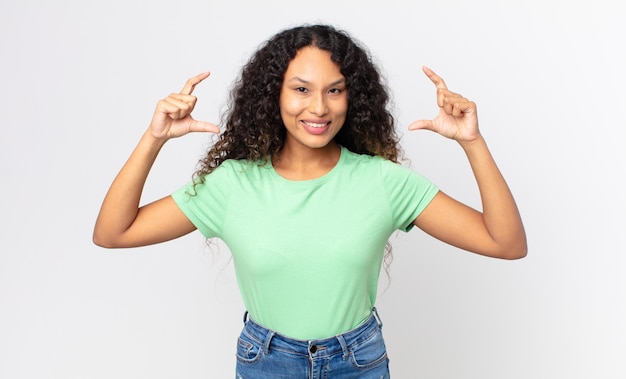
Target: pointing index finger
x,y
436,79
190,85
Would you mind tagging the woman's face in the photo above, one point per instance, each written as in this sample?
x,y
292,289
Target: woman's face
x,y
313,99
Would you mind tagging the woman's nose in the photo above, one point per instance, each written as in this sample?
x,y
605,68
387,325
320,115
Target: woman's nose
x,y
318,105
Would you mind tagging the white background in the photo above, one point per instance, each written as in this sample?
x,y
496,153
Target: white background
x,y
78,84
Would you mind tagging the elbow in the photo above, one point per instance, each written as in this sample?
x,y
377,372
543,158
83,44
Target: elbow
x,y
98,241
513,255
522,252
510,251
102,240
514,248
518,251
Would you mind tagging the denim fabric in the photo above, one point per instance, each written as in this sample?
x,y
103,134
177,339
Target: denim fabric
x,y
359,353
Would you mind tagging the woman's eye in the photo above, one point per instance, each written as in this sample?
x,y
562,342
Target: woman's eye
x,y
301,89
336,91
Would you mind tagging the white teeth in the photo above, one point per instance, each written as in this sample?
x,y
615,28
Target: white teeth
x,y
315,125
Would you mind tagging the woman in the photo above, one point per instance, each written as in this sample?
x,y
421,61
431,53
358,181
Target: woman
x,y
304,187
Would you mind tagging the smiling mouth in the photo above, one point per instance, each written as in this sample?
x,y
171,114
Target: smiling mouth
x,y
315,124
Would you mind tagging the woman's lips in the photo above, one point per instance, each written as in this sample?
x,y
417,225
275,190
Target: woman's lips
x,y
315,127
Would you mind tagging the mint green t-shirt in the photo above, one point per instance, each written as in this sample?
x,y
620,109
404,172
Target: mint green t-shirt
x,y
307,254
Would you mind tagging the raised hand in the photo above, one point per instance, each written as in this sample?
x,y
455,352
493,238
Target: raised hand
x,y
172,116
457,118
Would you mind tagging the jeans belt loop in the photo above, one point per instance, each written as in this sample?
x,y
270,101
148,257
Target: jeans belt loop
x,y
344,347
268,340
378,320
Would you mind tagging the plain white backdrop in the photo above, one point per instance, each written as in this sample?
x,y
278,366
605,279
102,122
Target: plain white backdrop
x,y
79,82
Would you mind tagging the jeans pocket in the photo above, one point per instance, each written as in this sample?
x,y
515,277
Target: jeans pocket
x,y
370,352
248,349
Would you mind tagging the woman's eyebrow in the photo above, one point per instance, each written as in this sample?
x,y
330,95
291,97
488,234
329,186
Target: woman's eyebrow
x,y
336,82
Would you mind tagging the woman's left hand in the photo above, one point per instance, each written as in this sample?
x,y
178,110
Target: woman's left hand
x,y
457,118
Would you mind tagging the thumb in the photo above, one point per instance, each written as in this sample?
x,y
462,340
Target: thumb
x,y
203,126
421,125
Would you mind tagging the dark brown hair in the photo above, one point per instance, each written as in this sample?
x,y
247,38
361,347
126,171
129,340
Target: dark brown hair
x,y
253,128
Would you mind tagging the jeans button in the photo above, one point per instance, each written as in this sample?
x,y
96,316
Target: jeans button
x,y
313,349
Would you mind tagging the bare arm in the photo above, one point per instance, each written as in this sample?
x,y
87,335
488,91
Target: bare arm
x,y
497,231
121,222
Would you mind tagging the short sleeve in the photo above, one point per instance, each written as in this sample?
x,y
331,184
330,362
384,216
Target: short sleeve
x,y
408,193
205,203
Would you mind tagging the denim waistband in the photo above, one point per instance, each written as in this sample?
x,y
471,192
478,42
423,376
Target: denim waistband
x,y
342,343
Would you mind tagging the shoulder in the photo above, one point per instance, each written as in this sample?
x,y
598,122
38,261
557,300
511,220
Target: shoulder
x,y
237,174
351,158
236,166
373,162
225,178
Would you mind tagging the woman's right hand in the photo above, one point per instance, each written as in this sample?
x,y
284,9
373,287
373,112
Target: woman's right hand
x,y
121,221
172,116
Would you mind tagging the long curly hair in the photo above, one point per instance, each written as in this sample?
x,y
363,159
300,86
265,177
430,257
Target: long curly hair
x,y
252,125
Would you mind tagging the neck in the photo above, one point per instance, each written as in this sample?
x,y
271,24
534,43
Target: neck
x,y
305,164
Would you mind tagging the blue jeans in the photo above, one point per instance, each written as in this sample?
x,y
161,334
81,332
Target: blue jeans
x,y
359,353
